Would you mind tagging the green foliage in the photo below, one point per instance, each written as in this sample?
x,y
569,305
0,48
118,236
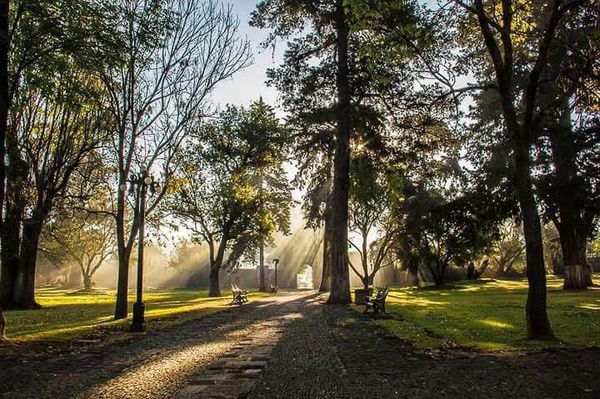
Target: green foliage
x,y
232,188
307,80
441,231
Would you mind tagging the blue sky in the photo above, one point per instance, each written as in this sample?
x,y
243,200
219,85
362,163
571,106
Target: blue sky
x,y
248,85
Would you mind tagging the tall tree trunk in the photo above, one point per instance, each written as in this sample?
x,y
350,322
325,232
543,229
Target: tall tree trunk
x,y
326,277
261,271
124,254
587,267
11,239
87,282
571,226
413,271
124,248
538,325
4,93
24,290
367,282
11,226
214,289
575,270
340,279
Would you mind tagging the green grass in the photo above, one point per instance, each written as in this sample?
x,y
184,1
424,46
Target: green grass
x,y
489,315
71,315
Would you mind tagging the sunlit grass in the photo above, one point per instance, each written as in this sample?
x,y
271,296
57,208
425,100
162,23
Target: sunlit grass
x,y
490,315
70,315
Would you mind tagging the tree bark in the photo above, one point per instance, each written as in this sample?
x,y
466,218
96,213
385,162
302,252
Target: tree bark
x,y
87,282
326,274
11,238
24,290
11,226
124,248
214,289
538,325
413,271
340,278
4,93
570,226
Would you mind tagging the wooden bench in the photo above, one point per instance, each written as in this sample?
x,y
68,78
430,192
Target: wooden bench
x,y
239,296
377,303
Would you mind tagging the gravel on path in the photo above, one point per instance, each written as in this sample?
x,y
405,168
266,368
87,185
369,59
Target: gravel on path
x,y
293,346
335,352
153,365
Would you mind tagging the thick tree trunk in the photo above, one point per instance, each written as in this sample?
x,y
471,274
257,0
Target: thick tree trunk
x,y
367,282
24,290
438,275
538,325
87,282
4,92
11,239
568,197
326,277
587,267
124,255
340,279
575,270
214,290
11,226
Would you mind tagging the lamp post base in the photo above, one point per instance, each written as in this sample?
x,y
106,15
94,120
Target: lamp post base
x,y
138,324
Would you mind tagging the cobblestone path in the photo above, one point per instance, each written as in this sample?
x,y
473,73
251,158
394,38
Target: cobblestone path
x,y
335,352
154,365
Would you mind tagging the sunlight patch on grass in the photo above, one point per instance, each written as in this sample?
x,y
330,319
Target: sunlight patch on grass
x,y
590,306
489,315
69,315
496,324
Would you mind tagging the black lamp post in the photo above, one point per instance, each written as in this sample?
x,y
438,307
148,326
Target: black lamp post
x,y
143,181
276,262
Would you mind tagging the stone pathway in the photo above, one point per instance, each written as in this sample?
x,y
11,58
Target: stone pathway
x,y
236,371
153,365
334,352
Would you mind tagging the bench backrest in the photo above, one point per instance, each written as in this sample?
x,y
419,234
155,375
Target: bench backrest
x,y
381,294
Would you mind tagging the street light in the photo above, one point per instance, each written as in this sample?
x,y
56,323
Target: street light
x,y
276,262
143,181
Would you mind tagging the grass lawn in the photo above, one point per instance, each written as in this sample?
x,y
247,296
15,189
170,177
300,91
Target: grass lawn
x,y
489,315
71,315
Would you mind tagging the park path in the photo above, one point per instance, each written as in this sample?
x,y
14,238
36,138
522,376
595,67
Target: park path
x,y
293,346
335,352
156,364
